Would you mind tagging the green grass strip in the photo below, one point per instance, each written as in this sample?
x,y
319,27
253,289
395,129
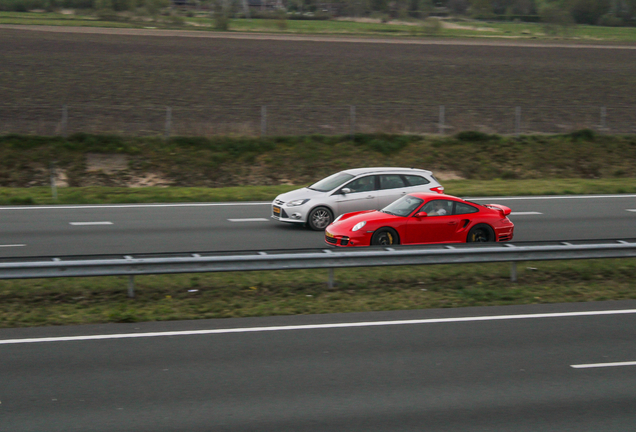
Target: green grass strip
x,y
463,188
41,302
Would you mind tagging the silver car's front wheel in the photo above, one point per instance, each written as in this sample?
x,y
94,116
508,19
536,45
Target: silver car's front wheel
x,y
319,218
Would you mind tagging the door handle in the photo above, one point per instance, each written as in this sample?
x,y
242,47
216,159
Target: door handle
x,y
370,197
453,223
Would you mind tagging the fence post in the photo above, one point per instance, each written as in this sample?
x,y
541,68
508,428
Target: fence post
x,y
513,271
352,122
603,119
131,286
517,121
168,123
330,282
264,120
442,119
53,185
65,121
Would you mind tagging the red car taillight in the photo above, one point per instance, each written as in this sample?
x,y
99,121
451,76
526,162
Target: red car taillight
x,y
439,189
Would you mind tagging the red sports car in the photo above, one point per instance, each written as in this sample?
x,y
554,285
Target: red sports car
x,y
422,218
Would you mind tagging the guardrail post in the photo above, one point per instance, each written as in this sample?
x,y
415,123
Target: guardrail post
x,y
330,282
442,119
131,286
517,121
513,271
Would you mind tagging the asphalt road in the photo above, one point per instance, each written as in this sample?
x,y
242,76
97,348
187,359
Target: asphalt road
x,y
469,369
129,229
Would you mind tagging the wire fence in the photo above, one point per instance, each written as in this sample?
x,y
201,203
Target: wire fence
x,y
154,120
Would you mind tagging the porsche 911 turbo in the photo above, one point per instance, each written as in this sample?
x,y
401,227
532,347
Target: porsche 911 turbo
x,y
422,218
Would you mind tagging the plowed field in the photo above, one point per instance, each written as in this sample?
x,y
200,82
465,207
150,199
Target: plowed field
x,y
229,80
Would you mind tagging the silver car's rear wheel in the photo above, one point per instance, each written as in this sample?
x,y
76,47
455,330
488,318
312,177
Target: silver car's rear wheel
x,y
319,218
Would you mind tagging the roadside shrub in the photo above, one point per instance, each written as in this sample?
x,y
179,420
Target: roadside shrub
x,y
474,136
611,20
583,134
432,26
384,144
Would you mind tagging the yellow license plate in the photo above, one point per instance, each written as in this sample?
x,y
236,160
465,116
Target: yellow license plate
x,y
328,234
276,210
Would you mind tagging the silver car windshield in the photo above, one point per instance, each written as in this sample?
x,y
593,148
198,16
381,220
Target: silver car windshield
x,y
403,206
331,182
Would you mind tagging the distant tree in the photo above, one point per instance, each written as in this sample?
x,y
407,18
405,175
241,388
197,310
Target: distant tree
x,y
588,11
221,18
481,7
555,19
124,5
458,6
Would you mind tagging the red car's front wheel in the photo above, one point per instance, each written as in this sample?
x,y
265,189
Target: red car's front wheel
x,y
385,237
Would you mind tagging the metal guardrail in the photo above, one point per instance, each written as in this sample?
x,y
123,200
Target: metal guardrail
x,y
128,265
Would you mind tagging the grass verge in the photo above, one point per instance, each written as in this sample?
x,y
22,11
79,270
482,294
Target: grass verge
x,y
343,27
463,188
224,295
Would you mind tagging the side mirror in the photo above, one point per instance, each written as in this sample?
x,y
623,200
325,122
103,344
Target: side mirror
x,y
420,214
345,191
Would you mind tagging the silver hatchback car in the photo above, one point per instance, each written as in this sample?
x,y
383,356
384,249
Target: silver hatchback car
x,y
349,191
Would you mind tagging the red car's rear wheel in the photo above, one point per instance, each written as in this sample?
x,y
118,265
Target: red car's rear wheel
x,y
480,234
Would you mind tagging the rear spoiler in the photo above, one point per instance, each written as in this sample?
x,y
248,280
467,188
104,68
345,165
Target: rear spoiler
x,y
505,211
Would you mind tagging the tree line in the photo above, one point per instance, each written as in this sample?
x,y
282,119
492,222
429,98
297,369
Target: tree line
x,y
558,12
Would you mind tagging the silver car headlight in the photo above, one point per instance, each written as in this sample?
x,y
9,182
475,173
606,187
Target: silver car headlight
x,y
359,225
297,202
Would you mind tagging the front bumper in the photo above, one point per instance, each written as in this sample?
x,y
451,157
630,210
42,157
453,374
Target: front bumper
x,y
347,240
289,214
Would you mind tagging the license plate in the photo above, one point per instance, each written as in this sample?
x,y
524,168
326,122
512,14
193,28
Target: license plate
x,y
328,234
277,210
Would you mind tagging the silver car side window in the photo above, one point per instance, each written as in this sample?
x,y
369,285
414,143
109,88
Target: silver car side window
x,y
362,184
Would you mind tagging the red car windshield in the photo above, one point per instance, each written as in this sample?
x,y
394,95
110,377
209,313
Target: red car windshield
x,y
403,207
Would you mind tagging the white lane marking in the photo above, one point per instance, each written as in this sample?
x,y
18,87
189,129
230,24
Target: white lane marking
x,y
249,220
600,365
13,245
230,204
549,197
91,223
318,326
631,210
80,206
524,213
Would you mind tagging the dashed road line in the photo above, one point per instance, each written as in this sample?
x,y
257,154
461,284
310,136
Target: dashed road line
x,y
107,206
602,365
91,223
525,213
249,220
13,245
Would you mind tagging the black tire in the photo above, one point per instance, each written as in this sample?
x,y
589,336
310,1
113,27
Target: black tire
x,y
385,237
319,218
480,234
